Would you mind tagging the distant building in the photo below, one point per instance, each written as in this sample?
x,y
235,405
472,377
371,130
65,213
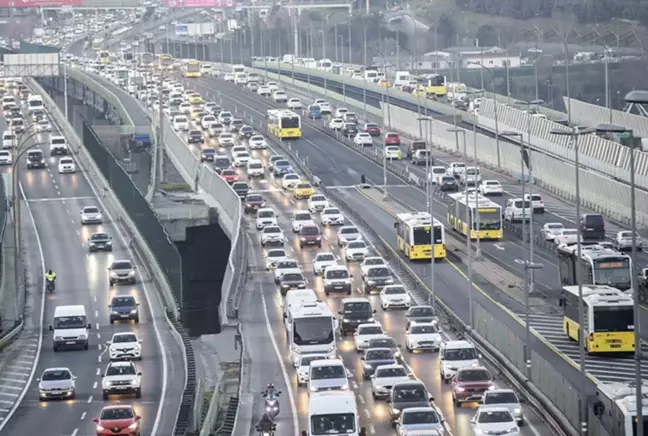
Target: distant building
x,y
490,57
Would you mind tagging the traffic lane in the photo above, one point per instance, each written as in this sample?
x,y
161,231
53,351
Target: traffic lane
x,y
139,117
449,281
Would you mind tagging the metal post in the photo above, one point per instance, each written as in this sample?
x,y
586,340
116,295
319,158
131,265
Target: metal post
x,y
231,48
65,92
364,87
295,20
607,85
637,310
336,42
468,243
160,139
581,315
349,42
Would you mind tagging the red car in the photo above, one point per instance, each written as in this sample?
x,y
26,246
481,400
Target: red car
x,y
230,176
372,129
118,421
392,138
469,385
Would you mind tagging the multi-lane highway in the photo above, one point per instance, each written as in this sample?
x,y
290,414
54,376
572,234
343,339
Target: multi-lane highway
x,y
54,202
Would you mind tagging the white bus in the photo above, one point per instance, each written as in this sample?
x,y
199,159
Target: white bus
x,y
311,329
295,298
236,69
325,65
615,410
333,412
35,103
599,266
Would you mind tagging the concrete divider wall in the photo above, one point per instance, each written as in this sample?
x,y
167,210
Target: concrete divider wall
x,y
598,192
587,114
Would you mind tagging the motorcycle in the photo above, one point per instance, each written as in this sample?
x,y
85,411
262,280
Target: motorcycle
x,y
266,433
50,285
272,404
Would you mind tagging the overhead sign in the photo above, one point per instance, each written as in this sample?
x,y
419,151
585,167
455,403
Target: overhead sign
x,y
39,3
195,29
200,3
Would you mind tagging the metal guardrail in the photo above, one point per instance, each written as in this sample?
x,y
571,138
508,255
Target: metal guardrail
x,y
9,335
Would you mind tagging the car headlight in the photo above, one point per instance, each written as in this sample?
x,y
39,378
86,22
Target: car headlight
x,y
396,411
114,312
133,426
113,274
331,349
133,312
313,388
517,410
460,389
134,382
57,338
100,427
451,368
83,336
346,320
491,387
371,283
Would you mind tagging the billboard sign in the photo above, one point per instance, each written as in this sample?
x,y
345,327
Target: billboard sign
x,y
39,3
195,29
31,65
197,3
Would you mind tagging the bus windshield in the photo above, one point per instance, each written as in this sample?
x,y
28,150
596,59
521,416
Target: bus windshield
x,y
613,272
488,221
193,66
290,123
437,81
422,236
614,319
313,331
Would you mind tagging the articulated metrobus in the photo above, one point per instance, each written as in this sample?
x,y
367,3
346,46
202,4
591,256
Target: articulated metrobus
x,y
192,68
284,124
434,84
166,62
413,233
104,57
608,315
618,416
480,210
599,266
236,69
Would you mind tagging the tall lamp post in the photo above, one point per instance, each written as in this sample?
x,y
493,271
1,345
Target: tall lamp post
x,y
497,134
385,195
574,133
430,204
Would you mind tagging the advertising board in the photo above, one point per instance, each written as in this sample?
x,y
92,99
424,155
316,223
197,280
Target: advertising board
x,y
199,3
39,3
195,29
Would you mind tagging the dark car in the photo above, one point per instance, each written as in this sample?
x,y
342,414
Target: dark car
x,y
349,129
309,234
123,307
246,132
386,342
470,384
37,115
377,277
355,311
99,242
421,314
207,155
253,202
282,167
236,125
407,394
448,183
290,281
592,226
35,159
241,189
222,163
195,137
273,159
374,358
372,128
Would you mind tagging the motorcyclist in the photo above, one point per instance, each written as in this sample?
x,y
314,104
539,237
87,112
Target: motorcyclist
x,y
266,424
50,276
270,393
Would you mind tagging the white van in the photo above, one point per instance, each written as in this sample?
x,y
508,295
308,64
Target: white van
x,y
8,139
70,327
455,355
337,279
471,176
402,78
8,101
336,412
295,298
325,65
327,375
517,209
35,103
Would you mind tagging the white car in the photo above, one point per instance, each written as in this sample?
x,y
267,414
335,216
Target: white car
x,y
257,142
566,236
317,203
8,138
226,139
255,168
5,157
393,152
273,256
184,108
505,398
290,180
266,217
363,138
272,86
384,377
285,266
395,296
356,250
43,125
339,112
180,123
303,366
228,77
491,187
551,230
365,333
91,215
66,165
325,107
421,336
241,79
272,235
623,241
263,91
280,97
225,117
238,149
125,345
215,129
370,261
121,378
299,218
331,216
336,123
347,234
323,261
241,158
494,420
207,121
294,103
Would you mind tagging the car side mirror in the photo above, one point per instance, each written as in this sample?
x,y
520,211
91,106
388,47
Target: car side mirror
x,y
103,375
137,304
51,328
38,380
430,398
95,420
304,433
139,374
137,418
388,400
363,431
340,312
373,311
479,356
362,358
109,268
140,341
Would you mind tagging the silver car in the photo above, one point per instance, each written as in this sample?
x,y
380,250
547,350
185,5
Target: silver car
x,y
91,215
419,421
122,271
505,398
347,234
56,383
624,241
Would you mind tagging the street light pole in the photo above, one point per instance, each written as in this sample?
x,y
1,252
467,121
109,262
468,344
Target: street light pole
x,y
430,209
385,194
497,132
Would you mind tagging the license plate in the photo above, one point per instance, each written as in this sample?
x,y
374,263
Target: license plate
x,y
121,387
70,343
125,316
338,287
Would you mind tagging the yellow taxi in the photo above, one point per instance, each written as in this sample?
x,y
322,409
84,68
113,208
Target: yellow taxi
x,y
419,92
195,99
303,190
196,112
384,83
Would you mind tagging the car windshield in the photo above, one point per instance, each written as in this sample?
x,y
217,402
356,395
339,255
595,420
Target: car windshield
x,y
123,302
195,133
378,272
225,135
304,216
333,424
99,236
349,231
461,354
421,312
420,417
90,210
303,186
491,417
225,114
62,374
266,214
395,290
472,375
379,355
318,198
328,372
122,265
292,277
309,230
383,343
408,394
306,360
70,322
357,244
272,229
501,398
423,329
283,163
276,253
325,258
287,264
555,226
374,261
391,372
337,274
371,330
120,370
331,211
256,138
66,160
208,151
228,173
124,338
254,165
117,413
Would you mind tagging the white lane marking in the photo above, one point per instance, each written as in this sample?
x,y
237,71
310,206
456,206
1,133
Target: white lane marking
x,y
8,402
15,388
499,247
8,394
97,326
98,371
284,370
15,374
83,415
42,318
90,399
98,335
94,385
4,411
74,433
96,314
10,380
367,414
